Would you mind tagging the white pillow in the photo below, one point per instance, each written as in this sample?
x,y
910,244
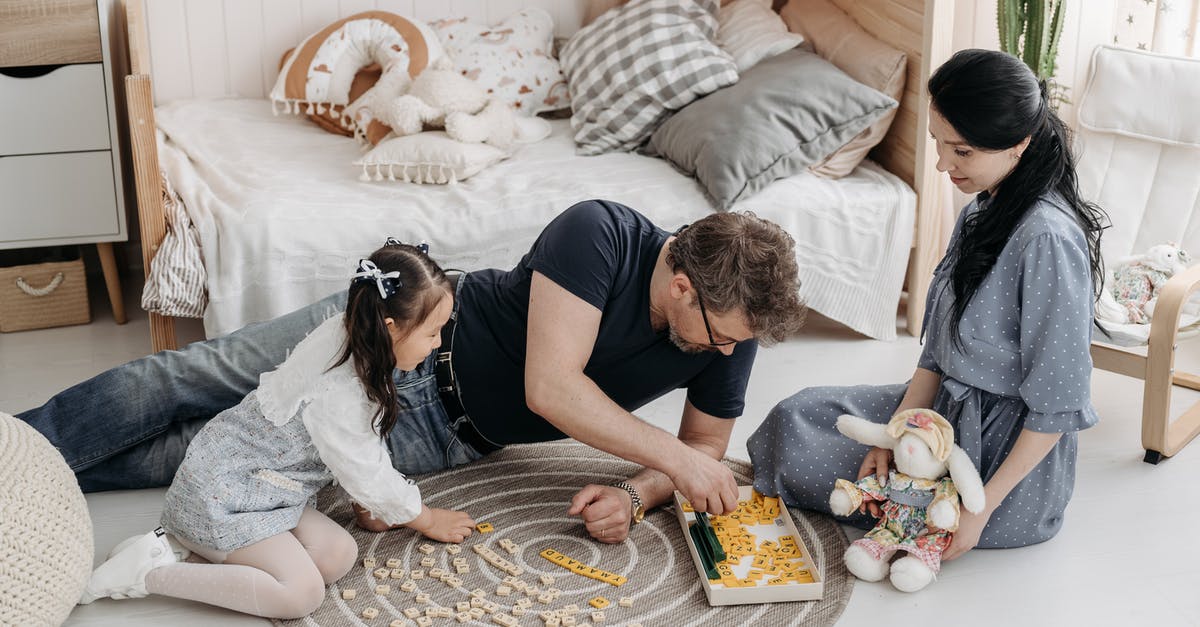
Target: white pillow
x,y
428,157
512,60
750,32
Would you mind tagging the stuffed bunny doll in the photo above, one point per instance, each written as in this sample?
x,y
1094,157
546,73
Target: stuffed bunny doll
x,y
1136,280
920,504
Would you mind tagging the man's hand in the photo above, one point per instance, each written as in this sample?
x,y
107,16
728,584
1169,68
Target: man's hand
x,y
606,511
878,462
705,482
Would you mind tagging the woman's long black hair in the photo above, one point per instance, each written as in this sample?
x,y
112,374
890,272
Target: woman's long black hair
x,y
422,285
994,102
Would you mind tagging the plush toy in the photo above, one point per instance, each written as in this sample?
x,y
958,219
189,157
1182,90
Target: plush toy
x,y
1136,281
440,97
920,504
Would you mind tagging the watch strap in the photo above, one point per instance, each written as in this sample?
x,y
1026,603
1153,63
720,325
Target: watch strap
x,y
634,497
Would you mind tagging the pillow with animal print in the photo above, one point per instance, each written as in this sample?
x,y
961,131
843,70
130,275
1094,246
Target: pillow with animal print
x,y
512,60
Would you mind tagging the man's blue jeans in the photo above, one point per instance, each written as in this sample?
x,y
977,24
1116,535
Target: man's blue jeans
x,y
129,427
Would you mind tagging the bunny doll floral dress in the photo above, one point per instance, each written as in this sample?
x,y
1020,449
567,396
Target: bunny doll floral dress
x,y
1023,363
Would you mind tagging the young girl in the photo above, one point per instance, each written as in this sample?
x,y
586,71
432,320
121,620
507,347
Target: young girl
x,y
1008,321
243,497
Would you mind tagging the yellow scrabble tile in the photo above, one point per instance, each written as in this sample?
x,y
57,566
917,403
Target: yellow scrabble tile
x,y
599,603
687,507
484,527
777,581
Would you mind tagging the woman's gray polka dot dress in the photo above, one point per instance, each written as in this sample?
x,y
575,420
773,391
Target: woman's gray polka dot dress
x,y
1024,363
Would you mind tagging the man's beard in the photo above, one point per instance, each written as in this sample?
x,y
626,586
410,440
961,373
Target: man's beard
x,y
688,347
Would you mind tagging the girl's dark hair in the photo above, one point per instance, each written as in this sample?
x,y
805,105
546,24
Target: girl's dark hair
x,y
994,101
422,284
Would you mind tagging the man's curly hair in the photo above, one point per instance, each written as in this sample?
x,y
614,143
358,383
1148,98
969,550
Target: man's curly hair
x,y
741,262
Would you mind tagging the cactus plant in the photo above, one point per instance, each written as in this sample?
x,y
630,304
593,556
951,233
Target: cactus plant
x,y
1025,32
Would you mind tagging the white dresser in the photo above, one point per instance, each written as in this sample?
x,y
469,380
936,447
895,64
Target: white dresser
x,y
60,166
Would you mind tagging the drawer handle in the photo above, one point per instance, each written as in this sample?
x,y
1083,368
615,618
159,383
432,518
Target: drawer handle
x,y
29,71
40,291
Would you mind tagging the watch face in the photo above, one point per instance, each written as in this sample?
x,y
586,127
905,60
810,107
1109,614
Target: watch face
x,y
638,514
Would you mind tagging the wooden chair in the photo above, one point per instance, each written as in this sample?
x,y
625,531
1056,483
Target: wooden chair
x,y
1139,159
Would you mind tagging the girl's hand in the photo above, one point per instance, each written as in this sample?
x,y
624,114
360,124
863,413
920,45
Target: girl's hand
x,y
878,462
443,525
970,527
365,520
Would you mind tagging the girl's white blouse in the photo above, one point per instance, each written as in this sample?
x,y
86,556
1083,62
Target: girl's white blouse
x,y
339,418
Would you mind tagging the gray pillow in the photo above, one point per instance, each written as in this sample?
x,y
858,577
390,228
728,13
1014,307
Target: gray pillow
x,y
784,114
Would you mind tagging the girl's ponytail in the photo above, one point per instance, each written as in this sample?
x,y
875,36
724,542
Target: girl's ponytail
x,y
400,282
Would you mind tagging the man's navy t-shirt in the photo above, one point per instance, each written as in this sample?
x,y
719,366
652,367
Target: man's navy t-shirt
x,y
605,254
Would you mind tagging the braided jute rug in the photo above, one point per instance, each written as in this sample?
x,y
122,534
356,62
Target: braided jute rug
x,y
524,491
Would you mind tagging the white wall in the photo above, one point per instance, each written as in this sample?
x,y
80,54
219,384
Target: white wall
x,y
1087,24
232,47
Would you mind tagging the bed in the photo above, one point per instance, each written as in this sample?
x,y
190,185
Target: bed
x,y
279,229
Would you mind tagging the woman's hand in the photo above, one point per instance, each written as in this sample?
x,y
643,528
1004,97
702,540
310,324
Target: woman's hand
x,y
877,462
970,527
443,525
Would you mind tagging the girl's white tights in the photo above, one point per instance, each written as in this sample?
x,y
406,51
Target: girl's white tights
x,y
283,576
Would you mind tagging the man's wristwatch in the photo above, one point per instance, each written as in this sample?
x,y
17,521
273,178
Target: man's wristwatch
x,y
639,511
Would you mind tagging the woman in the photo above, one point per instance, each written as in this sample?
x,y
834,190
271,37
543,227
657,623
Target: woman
x,y
1007,324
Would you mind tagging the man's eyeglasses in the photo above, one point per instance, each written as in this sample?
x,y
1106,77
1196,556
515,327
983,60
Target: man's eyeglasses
x,y
708,327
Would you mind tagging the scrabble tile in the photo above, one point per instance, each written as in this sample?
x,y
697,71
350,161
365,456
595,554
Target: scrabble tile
x,y
349,593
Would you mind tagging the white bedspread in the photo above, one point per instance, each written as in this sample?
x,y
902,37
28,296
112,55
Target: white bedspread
x,y
283,218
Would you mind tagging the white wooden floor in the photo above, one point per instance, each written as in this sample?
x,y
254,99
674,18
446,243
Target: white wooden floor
x,y
1125,556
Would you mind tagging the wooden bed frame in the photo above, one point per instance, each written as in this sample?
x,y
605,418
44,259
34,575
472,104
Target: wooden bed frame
x,y
164,36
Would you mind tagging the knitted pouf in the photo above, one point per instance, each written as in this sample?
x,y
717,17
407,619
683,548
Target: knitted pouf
x,y
45,530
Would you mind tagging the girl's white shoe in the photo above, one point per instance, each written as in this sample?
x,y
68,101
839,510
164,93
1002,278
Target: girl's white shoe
x,y
123,576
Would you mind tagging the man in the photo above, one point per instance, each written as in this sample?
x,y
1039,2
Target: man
x,y
604,314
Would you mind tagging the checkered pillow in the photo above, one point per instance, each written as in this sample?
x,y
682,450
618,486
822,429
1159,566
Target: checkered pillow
x,y
634,65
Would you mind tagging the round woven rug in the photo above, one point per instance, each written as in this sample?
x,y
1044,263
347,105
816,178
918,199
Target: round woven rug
x,y
524,491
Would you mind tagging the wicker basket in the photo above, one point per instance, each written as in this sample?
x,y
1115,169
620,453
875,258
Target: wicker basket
x,y
43,295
